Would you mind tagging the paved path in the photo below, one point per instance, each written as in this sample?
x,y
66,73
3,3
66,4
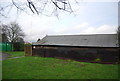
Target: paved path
x,y
0,56
16,57
3,56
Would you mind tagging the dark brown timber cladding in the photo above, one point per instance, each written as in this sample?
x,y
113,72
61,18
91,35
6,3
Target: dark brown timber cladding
x,y
89,54
28,50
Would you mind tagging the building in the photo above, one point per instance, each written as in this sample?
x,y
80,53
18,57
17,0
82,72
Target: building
x,y
78,47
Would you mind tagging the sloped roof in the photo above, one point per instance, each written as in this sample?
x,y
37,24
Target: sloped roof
x,y
96,40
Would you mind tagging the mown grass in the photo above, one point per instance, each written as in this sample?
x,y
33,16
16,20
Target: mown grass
x,y
15,53
0,70
51,68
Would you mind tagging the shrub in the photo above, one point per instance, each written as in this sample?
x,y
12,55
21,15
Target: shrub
x,y
17,46
97,60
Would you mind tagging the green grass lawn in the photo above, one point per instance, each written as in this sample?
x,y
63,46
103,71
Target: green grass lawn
x,y
51,68
0,70
15,53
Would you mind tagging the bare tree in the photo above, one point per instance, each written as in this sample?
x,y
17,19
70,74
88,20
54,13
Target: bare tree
x,y
4,38
45,7
12,31
3,33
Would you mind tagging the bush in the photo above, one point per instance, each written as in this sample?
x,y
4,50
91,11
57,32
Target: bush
x,y
17,46
97,60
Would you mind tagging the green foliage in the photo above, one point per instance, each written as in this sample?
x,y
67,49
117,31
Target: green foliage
x,y
51,68
28,44
17,46
97,60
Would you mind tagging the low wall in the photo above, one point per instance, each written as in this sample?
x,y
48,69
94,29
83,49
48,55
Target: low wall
x,y
89,54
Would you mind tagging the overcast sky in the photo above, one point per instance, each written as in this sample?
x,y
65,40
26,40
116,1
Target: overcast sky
x,y
91,17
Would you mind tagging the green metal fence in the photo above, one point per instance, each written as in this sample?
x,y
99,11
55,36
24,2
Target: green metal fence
x,y
5,46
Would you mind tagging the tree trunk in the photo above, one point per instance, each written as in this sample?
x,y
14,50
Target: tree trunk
x,y
12,46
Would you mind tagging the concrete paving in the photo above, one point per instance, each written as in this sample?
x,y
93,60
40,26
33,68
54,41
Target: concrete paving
x,y
16,57
3,56
0,56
